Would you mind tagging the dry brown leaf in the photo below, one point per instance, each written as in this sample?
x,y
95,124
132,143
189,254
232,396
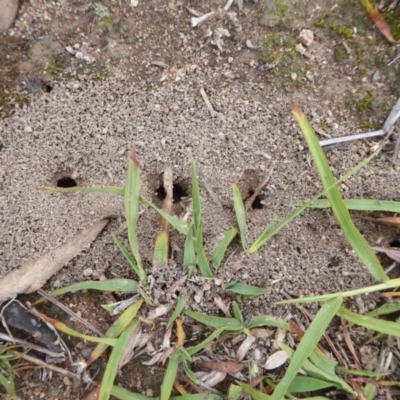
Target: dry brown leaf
x,y
379,21
276,360
229,367
34,274
128,352
393,253
244,348
391,221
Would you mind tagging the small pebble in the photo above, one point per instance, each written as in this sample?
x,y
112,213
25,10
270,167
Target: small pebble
x,y
293,75
28,129
306,37
300,49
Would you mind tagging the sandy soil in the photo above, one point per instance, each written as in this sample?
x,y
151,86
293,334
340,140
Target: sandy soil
x,y
79,120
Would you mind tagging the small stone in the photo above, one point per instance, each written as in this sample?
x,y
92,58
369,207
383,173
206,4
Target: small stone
x,y
309,76
300,49
27,129
70,50
77,46
88,272
293,75
230,60
306,37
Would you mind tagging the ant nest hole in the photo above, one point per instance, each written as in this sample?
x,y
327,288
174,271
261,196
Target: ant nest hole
x,y
257,203
64,179
179,192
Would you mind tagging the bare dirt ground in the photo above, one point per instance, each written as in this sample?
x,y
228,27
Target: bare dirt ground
x,y
64,117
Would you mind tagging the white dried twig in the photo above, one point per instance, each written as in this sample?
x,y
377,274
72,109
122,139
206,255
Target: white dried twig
x,y
196,21
207,101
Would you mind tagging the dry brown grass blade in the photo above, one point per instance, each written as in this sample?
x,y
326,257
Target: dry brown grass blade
x,y
393,253
228,367
379,21
33,274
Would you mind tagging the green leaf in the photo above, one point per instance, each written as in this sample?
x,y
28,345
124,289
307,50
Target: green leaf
x,y
161,245
246,290
254,393
393,283
237,312
124,394
363,205
189,373
230,324
179,225
198,396
117,191
268,320
170,375
126,254
116,329
353,236
202,260
307,345
385,309
189,254
387,327
323,362
113,361
223,246
195,349
302,384
180,305
234,392
110,285
240,214
195,197
132,196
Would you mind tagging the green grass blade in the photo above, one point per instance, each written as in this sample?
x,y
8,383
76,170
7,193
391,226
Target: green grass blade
x,y
230,324
237,313
124,394
317,373
161,245
353,236
170,375
126,254
254,393
302,384
268,233
202,260
363,205
268,320
117,191
223,246
195,197
198,396
387,327
393,283
180,226
110,285
112,365
240,215
180,305
195,349
8,382
189,373
246,290
385,309
307,345
323,362
132,196
234,392
189,253
116,329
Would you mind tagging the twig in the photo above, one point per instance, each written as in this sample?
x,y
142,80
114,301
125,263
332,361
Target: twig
x,y
209,189
386,130
250,200
207,101
70,312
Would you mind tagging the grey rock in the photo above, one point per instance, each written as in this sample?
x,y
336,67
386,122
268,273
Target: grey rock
x,y
8,11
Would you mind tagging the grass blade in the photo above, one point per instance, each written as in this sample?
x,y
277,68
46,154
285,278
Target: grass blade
x,y
161,245
189,254
254,393
180,305
202,260
200,346
246,290
268,233
353,236
180,226
170,375
223,246
110,285
116,329
113,362
230,324
302,384
195,197
126,254
363,205
240,214
118,191
198,396
132,196
374,324
237,313
268,320
307,345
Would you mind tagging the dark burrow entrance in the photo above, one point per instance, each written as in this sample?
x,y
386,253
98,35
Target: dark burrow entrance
x,y
178,192
66,182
